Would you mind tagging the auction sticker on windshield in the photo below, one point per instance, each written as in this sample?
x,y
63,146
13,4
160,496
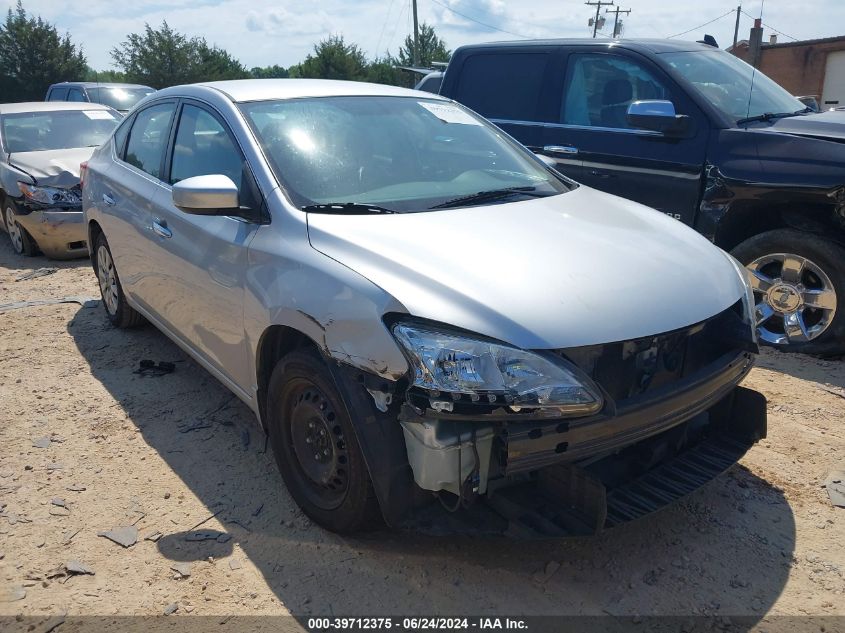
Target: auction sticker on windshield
x,y
99,114
449,113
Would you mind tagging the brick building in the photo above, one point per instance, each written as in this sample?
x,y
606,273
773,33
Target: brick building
x,y
805,68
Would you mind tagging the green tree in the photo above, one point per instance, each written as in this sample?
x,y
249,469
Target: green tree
x,y
33,55
432,48
164,57
384,71
268,72
105,76
333,59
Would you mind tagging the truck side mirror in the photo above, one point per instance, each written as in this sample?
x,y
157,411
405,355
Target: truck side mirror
x,y
659,116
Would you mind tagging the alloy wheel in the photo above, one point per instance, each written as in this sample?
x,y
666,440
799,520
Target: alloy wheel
x,y
14,230
795,300
107,278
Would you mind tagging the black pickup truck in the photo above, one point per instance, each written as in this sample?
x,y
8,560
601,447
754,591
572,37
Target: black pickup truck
x,y
694,132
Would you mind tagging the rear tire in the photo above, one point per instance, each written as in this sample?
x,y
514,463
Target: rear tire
x,y
119,312
316,447
22,242
799,288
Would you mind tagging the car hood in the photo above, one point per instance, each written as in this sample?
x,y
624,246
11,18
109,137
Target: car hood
x,y
827,125
54,168
580,268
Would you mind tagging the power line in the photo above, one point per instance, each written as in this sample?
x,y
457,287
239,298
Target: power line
x,y
701,25
471,19
794,39
383,26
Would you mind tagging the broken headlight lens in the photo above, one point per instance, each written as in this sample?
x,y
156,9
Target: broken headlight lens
x,y
487,371
50,195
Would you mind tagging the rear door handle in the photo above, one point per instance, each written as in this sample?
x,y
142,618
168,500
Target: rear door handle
x,y
160,228
560,149
109,199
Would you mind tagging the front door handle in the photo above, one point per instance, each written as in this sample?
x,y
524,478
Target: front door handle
x,y
600,174
109,200
560,149
160,228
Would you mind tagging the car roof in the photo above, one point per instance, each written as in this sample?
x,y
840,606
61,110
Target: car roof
x,y
642,45
48,106
98,84
243,90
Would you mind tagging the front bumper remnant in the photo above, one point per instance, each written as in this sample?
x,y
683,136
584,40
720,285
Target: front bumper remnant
x,y
59,234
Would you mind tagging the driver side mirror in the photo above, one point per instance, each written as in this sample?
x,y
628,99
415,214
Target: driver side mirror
x,y
214,194
658,116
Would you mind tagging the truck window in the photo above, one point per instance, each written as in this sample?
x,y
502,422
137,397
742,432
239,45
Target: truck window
x,y
599,89
503,85
57,94
76,95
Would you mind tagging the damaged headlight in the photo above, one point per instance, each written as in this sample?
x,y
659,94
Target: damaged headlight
x,y
489,372
51,196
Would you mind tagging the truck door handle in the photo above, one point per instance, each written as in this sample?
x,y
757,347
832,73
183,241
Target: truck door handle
x,y
160,228
560,149
109,200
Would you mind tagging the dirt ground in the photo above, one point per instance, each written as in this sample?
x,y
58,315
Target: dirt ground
x,y
86,445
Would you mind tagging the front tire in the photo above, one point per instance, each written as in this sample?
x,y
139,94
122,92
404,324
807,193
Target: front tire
x,y
119,312
799,289
316,448
22,242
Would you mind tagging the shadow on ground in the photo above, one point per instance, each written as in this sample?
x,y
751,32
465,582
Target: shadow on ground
x,y
825,372
726,550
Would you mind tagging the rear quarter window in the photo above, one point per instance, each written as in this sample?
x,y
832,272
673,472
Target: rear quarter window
x,y
503,85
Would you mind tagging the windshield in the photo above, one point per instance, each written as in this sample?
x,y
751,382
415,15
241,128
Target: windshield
x,y
63,129
119,98
400,153
725,81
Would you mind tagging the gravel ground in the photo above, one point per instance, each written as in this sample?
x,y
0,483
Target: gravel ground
x,y
86,446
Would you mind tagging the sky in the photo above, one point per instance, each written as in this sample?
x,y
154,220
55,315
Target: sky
x,y
267,32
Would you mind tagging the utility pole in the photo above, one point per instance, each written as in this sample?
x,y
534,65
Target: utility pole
x,y
598,5
617,11
416,36
736,27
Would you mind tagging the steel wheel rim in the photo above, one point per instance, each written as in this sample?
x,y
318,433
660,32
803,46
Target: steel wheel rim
x,y
14,231
107,278
795,301
318,444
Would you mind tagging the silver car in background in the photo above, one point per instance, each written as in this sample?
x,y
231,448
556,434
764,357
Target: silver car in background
x,y
422,314
41,147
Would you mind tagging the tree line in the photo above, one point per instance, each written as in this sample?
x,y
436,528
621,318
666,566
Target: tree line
x,y
34,55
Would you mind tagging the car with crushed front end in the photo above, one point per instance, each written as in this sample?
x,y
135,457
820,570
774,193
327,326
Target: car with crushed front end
x,y
423,315
41,147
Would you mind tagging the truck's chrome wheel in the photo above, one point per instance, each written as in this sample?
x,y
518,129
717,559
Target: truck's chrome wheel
x,y
107,278
14,230
795,299
319,445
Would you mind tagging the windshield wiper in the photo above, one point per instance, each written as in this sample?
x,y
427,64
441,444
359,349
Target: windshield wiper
x,y
493,194
346,208
771,116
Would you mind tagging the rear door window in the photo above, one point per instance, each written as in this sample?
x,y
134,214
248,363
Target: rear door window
x,y
504,85
600,88
148,138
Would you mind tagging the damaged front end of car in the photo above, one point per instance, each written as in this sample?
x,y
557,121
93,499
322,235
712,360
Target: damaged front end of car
x,y
483,437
